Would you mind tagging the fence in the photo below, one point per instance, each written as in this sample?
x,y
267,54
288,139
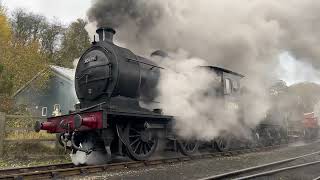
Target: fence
x,y
4,118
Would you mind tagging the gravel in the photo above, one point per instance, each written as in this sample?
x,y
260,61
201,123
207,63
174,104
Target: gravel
x,y
196,169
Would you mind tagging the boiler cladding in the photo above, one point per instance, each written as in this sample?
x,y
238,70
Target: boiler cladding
x,y
106,71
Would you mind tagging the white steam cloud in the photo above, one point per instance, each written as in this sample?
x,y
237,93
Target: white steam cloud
x,y
94,158
191,93
188,93
245,36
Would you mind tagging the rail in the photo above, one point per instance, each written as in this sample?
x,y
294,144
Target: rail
x,y
232,174
65,170
57,171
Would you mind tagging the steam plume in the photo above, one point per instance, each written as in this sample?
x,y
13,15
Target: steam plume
x,y
228,32
94,158
245,36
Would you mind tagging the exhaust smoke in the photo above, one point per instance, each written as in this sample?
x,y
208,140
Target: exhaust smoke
x,y
244,36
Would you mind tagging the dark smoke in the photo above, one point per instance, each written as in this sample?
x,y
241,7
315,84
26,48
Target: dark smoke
x,y
115,13
231,33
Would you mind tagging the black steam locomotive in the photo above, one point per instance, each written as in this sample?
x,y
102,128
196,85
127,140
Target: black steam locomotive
x,y
110,81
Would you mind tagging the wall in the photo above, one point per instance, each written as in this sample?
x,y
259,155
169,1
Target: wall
x,y
59,90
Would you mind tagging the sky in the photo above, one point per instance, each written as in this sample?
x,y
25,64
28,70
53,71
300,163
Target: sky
x,y
65,10
294,71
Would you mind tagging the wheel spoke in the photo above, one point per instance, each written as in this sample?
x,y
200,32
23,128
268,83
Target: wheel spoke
x,y
135,131
141,150
145,148
148,145
135,135
136,148
221,144
136,140
188,147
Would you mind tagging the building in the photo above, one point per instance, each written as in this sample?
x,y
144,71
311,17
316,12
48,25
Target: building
x,y
58,92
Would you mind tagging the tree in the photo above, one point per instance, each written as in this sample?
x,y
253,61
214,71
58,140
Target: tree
x,y
21,57
5,31
50,38
75,41
28,43
6,82
26,46
27,27
5,37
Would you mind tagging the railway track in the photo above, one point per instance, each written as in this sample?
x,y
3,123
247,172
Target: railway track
x,y
68,169
266,169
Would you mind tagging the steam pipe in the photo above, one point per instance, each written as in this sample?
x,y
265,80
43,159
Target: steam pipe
x,y
60,136
48,126
74,146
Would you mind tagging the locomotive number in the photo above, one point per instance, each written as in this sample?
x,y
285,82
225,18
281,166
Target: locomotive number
x,y
90,59
232,106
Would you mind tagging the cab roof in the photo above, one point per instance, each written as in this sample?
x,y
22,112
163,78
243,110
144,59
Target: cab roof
x,y
216,68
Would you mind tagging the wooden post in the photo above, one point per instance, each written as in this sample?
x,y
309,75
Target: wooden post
x,y
2,132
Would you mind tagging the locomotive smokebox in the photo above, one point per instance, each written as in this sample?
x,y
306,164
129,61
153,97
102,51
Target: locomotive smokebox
x,y
108,73
106,34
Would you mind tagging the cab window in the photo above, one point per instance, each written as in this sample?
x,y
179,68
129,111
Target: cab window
x,y
227,86
235,86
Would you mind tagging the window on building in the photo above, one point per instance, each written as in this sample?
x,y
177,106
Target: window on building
x,y
44,111
56,110
56,107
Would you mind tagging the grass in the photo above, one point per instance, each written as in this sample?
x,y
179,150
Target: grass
x,y
27,124
30,154
14,135
23,154
20,162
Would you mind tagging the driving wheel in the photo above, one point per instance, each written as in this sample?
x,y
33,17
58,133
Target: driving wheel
x,y
188,147
140,142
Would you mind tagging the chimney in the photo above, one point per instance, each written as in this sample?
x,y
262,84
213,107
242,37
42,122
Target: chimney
x,y
106,34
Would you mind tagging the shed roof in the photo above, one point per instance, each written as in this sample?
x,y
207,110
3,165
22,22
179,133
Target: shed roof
x,y
65,73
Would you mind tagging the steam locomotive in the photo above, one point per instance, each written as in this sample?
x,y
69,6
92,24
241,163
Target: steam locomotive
x,y
110,81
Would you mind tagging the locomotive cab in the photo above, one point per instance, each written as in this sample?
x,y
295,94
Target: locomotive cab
x,y
228,91
229,81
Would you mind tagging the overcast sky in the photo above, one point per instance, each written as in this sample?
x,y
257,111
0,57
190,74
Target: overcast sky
x,y
293,71
69,10
65,10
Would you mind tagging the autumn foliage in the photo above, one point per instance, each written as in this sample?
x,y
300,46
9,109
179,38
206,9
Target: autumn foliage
x,y
29,43
5,32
